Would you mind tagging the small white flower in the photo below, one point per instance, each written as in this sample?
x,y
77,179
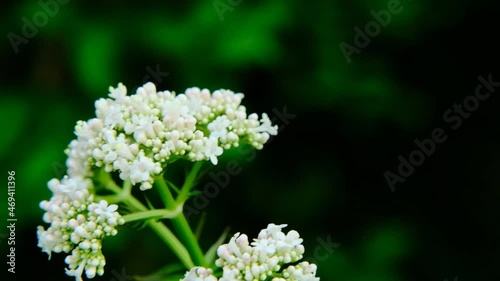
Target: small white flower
x,y
199,274
77,272
88,130
110,114
144,129
266,126
218,127
103,209
143,169
271,230
172,110
264,246
47,241
118,93
212,150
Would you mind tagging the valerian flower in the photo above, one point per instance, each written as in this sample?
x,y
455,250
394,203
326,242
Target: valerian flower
x,y
138,135
271,256
78,225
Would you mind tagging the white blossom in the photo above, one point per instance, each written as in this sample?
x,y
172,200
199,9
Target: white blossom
x,y
77,225
211,149
266,126
219,127
268,256
137,135
199,274
303,271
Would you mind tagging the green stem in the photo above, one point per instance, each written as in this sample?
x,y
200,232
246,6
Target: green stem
x,y
161,230
165,194
120,194
166,235
189,183
179,222
169,238
153,214
187,235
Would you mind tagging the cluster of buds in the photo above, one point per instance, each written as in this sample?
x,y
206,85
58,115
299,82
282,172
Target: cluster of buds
x,y
138,135
77,225
268,257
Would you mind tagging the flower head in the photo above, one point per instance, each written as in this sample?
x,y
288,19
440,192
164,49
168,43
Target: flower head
x,y
268,256
78,225
138,135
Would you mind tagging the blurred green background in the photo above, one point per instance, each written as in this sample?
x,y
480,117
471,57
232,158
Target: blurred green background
x,y
323,175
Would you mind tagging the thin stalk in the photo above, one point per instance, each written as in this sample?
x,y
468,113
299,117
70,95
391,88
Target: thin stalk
x,y
159,228
189,182
152,214
179,222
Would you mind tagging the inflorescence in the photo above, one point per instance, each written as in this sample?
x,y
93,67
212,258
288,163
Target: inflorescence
x,y
77,225
263,259
137,136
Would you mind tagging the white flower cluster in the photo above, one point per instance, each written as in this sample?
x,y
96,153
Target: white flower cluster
x,y
263,259
138,135
77,225
199,274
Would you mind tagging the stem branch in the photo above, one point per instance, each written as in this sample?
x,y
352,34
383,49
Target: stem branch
x,y
161,230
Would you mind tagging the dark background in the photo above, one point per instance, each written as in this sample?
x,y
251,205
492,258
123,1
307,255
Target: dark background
x,y
323,175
